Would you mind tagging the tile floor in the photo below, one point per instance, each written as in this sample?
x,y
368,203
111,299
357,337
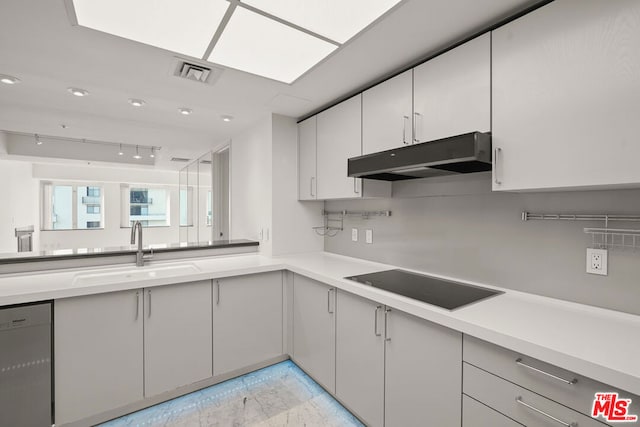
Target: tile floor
x,y
279,395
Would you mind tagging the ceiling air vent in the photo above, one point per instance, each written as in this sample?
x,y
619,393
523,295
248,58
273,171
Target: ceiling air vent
x,y
196,72
180,159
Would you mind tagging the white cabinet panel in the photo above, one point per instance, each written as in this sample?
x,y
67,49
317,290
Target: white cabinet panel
x,y
423,376
386,114
339,138
307,159
247,321
565,99
452,92
314,333
98,353
177,336
360,357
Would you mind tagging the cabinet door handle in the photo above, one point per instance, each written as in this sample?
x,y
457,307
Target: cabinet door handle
x,y
551,417
404,129
375,323
217,292
386,327
311,186
137,304
415,127
496,151
519,362
355,185
329,300
149,292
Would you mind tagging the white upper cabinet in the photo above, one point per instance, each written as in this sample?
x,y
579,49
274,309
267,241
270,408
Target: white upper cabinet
x,y
566,97
307,159
387,111
452,92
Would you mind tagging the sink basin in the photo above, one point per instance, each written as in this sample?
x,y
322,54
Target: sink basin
x,y
133,274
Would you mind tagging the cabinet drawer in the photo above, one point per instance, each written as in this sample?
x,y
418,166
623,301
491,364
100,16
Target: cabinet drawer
x,y
533,375
476,414
519,404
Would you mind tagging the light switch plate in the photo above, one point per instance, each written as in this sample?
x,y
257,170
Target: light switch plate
x,y
369,236
597,261
354,234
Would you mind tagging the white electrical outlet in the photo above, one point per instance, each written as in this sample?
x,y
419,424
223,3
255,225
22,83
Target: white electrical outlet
x,y
369,236
354,234
597,261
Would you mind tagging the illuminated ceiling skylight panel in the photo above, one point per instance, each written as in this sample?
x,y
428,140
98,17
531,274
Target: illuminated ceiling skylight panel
x,y
186,27
262,46
337,20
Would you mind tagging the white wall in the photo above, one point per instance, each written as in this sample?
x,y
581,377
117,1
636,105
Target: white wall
x,y
292,220
19,207
251,184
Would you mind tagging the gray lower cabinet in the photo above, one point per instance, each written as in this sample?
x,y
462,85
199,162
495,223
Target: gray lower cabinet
x,y
98,353
395,369
360,357
476,414
247,321
314,330
177,336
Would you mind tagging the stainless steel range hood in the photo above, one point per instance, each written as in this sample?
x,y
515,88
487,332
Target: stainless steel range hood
x,y
470,152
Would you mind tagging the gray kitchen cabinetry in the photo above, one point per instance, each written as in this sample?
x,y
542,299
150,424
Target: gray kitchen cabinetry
x,y
387,114
566,97
177,336
118,348
314,329
476,414
247,321
452,92
307,183
98,353
395,369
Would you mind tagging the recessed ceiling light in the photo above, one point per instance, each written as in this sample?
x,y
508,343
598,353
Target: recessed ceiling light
x,y
77,91
137,156
9,80
336,20
279,52
185,27
185,111
226,118
136,102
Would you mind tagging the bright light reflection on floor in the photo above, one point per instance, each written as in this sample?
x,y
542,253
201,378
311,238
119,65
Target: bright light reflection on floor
x,y
279,395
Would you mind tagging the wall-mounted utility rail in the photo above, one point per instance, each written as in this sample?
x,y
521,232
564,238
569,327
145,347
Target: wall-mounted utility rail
x,y
334,220
604,238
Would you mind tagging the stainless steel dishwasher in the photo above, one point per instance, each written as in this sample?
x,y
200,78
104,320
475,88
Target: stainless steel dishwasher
x,y
25,366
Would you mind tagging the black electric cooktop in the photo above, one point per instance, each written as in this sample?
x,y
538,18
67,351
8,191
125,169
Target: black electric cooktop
x,y
443,293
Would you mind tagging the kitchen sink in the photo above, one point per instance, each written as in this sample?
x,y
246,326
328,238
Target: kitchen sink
x,y
133,274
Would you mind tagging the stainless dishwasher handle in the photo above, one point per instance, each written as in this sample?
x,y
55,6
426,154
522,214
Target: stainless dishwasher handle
x,y
551,417
137,304
375,323
329,300
149,291
386,327
540,371
496,151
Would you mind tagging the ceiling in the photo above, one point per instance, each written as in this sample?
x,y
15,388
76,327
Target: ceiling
x,y
39,45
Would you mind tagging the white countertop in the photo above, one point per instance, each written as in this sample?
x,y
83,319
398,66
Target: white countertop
x,y
594,342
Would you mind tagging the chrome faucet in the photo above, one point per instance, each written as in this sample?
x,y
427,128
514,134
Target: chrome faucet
x,y
139,254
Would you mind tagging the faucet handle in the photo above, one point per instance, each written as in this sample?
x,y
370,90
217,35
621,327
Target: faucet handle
x,y
148,255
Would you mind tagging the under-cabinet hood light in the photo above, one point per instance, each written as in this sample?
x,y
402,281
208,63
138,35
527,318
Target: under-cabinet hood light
x,y
77,91
9,80
136,102
38,140
153,152
120,152
137,156
185,111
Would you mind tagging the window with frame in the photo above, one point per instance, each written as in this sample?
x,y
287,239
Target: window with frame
x,y
149,205
71,206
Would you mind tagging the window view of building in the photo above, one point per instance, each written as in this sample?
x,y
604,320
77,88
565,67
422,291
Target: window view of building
x,y
150,206
71,207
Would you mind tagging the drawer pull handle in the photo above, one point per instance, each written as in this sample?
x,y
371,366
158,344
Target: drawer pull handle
x,y
555,377
551,417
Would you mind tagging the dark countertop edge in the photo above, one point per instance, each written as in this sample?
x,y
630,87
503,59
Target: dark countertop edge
x,y
124,252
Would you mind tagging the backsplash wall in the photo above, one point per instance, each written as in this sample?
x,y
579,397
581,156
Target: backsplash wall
x,y
480,237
